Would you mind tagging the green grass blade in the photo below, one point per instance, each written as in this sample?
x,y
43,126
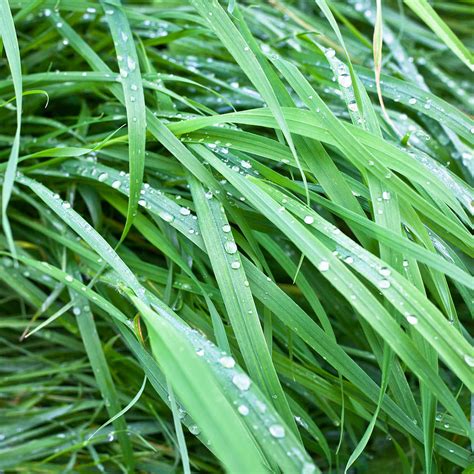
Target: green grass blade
x,y
10,43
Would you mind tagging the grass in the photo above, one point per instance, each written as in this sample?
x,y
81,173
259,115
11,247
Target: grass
x,y
236,236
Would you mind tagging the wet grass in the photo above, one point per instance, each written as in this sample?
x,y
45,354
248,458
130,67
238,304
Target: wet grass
x,y
236,236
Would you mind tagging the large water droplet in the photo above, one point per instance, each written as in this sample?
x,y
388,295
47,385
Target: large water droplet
x,y
323,266
344,80
241,381
469,360
330,53
166,216
227,362
194,429
411,319
277,431
384,271
230,247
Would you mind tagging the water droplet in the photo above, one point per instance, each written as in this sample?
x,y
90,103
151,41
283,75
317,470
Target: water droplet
x,y
184,211
384,271
469,360
245,164
386,196
330,53
353,106
131,64
412,101
102,177
241,381
66,205
308,219
235,265
230,247
194,429
384,284
411,319
200,352
308,468
227,362
344,80
323,266
76,310
226,228
166,216
116,184
277,431
243,410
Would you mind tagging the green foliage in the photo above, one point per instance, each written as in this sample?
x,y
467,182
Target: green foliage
x,y
236,236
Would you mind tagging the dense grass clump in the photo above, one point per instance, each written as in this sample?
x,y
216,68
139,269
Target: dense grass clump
x,y
236,236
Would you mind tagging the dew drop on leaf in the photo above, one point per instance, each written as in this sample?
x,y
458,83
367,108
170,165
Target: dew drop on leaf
x,y
411,319
323,266
241,381
277,431
227,362
469,360
230,247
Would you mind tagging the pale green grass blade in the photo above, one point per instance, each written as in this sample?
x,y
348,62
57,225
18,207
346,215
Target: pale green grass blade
x,y
10,43
194,385
134,100
243,315
427,14
219,21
